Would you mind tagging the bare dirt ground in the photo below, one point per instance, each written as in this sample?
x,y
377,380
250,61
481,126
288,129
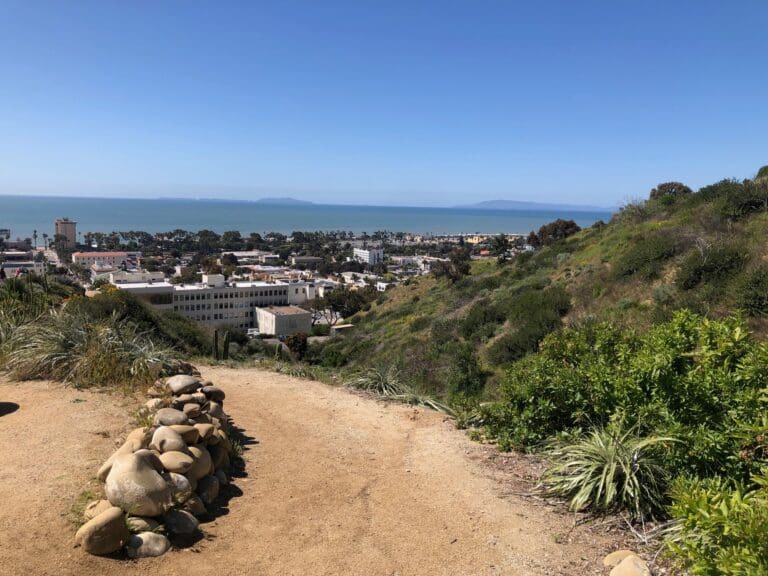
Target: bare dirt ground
x,y
336,484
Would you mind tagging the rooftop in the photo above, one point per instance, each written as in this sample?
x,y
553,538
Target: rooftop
x,y
96,254
285,310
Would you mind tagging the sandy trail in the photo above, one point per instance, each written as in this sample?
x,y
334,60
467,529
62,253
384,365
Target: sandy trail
x,y
337,484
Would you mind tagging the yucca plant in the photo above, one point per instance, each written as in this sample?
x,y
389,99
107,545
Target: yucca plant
x,y
386,381
609,470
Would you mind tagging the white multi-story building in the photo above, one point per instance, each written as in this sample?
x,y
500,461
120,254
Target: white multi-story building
x,y
370,256
214,302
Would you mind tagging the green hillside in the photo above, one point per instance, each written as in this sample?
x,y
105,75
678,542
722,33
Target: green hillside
x,y
702,250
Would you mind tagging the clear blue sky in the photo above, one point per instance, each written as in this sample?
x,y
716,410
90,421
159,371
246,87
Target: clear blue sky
x,y
423,103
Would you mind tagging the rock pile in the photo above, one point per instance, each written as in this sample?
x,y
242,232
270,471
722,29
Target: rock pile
x,y
165,475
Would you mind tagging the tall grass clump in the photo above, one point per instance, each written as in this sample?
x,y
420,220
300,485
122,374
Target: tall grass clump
x,y
74,349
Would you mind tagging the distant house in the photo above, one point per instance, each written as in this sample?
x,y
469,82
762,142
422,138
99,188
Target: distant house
x,y
283,320
88,259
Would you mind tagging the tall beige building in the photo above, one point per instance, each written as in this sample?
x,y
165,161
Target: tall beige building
x,y
68,230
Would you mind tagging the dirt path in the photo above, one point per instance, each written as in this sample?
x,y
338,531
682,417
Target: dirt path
x,y
338,484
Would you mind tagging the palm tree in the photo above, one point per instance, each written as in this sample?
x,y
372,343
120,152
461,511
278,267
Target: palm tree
x,y
34,237
45,240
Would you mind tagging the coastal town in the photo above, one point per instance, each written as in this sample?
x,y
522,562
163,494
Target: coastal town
x,y
271,284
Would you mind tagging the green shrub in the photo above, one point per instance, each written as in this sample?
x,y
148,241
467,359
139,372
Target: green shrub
x,y
646,255
720,529
752,291
481,322
609,470
712,264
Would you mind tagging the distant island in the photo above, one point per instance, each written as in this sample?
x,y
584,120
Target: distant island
x,y
520,205
283,202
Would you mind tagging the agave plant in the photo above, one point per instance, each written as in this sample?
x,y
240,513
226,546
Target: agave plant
x,y
609,469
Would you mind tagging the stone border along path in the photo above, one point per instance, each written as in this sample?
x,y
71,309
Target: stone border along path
x,y
164,476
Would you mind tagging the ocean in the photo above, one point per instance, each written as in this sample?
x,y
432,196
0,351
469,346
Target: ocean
x,y
24,214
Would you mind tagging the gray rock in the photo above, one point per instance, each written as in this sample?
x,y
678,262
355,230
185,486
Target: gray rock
x,y
170,417
203,464
217,453
180,486
154,404
195,506
136,440
208,489
140,524
214,393
166,439
147,545
180,522
135,486
182,384
221,476
104,534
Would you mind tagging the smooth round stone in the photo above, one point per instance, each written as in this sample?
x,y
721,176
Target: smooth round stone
x,y
203,464
216,410
180,487
95,508
166,439
182,384
205,430
217,453
195,506
140,524
104,534
191,410
178,462
221,476
169,417
214,393
208,489
181,522
147,545
189,434
154,404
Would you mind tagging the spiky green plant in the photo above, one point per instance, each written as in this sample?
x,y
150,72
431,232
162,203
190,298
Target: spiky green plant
x,y
386,381
609,470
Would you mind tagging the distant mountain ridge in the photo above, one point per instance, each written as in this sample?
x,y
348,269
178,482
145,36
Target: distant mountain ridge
x,y
522,205
283,201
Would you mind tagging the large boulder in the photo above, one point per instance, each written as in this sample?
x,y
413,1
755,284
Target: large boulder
x,y
179,462
147,545
218,454
136,440
170,417
216,410
182,384
135,486
166,439
203,464
180,522
104,534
